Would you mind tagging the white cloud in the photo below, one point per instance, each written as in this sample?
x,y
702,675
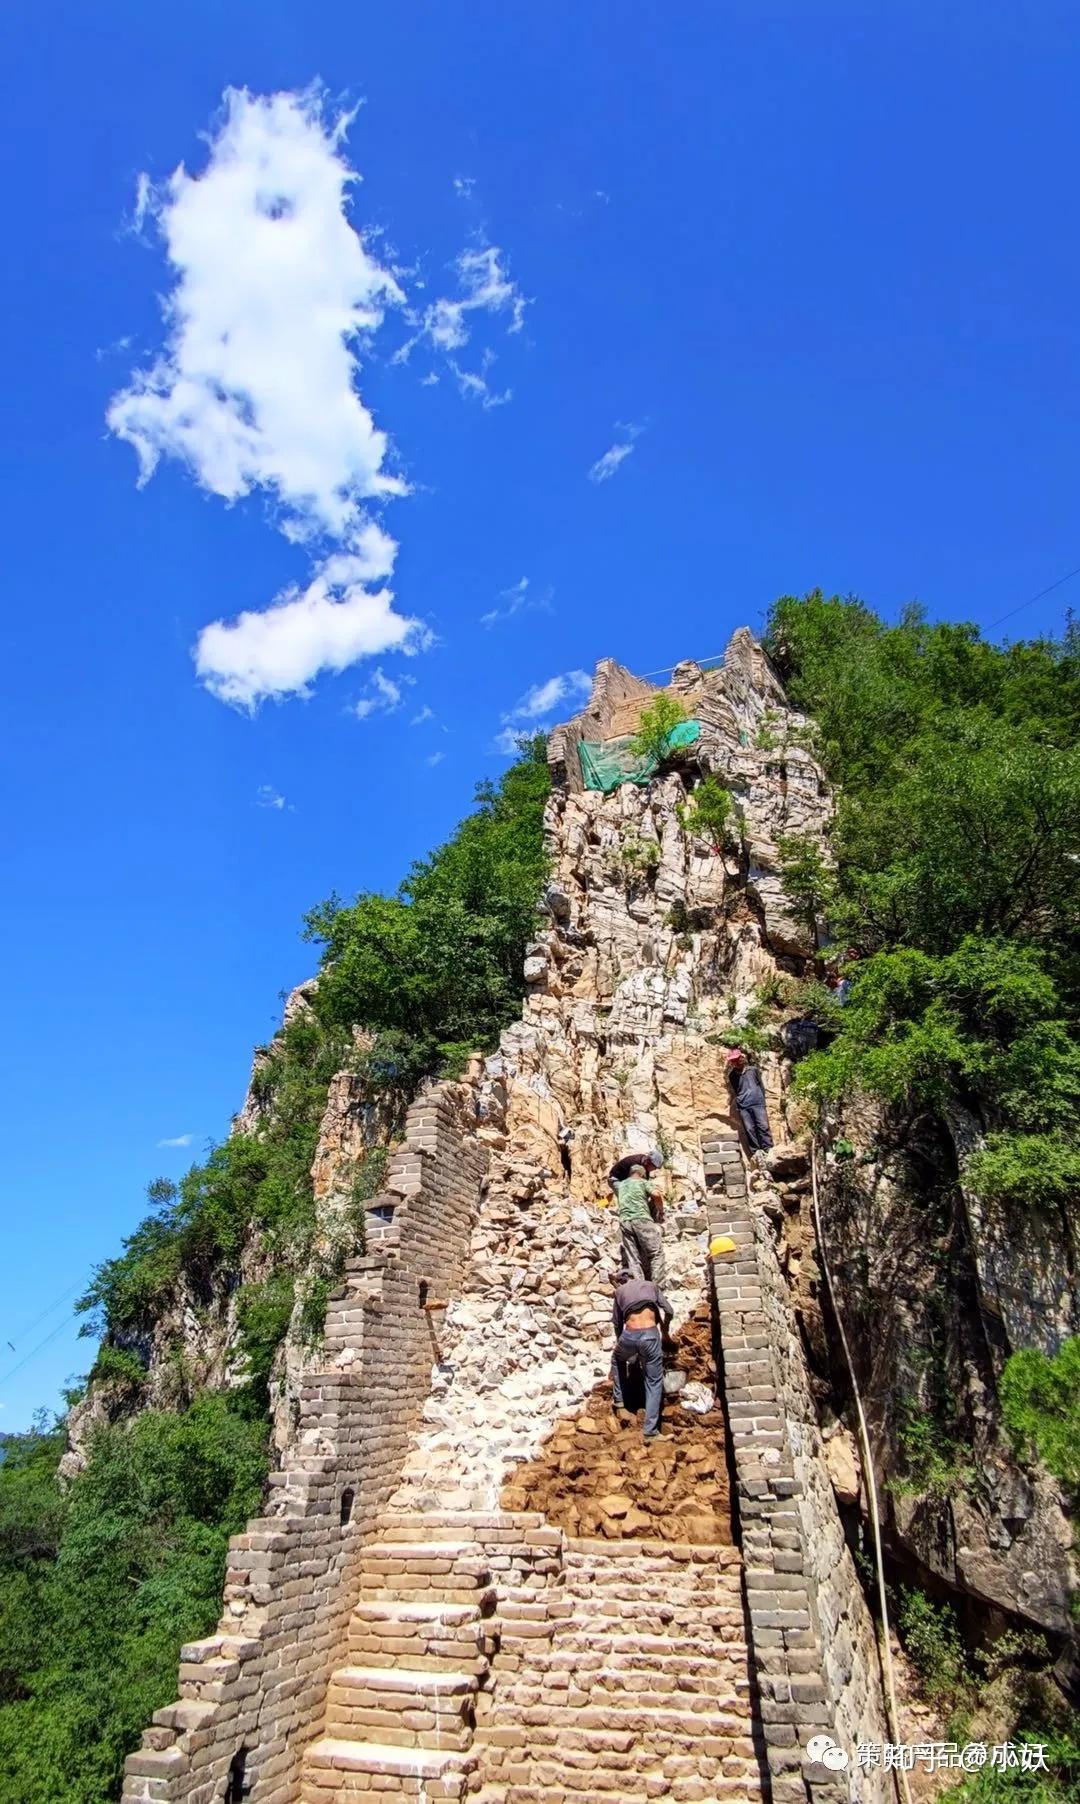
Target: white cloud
x,y
435,758
329,625
572,685
177,1140
605,467
424,714
446,325
144,190
486,287
384,697
256,386
266,796
518,600
464,185
474,387
256,389
527,716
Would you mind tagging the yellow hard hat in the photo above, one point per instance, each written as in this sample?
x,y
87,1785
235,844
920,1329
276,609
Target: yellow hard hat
x,y
722,1244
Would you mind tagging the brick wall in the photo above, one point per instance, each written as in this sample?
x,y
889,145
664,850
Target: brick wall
x,y
811,1634
252,1695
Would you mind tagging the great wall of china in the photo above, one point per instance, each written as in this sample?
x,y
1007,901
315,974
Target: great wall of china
x,y
470,1581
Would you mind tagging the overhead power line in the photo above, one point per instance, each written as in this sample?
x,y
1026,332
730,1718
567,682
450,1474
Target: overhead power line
x,y
1049,590
42,1344
30,1326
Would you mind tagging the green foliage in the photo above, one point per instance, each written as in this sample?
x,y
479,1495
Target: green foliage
x,y
1040,1400
656,722
931,1640
808,882
436,969
1059,1784
708,813
256,1182
934,1463
370,1177
1034,1170
99,1586
263,1312
980,1022
636,857
118,1366
956,876
814,1001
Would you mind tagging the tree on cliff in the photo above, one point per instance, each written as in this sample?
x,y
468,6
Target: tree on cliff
x,y
957,846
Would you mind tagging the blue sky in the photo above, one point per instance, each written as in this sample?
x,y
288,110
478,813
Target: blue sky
x,y
812,267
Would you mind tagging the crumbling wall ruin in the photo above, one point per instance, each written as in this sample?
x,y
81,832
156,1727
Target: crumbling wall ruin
x,y
650,961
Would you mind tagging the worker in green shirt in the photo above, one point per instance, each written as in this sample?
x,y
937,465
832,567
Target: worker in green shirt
x,y
641,1210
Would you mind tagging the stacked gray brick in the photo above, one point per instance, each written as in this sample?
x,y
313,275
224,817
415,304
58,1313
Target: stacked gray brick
x,y
803,1688
254,1692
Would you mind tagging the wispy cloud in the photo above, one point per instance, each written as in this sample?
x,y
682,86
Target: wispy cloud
x,y
435,758
572,685
517,600
531,712
446,325
605,467
266,796
464,185
423,714
384,696
274,294
177,1140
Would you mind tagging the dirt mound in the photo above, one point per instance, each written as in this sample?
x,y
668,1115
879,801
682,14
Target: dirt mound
x,y
595,1476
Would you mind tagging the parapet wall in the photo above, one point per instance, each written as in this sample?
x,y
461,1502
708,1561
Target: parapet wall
x,y
252,1695
811,1633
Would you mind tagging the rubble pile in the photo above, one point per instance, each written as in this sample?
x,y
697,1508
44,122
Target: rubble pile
x,y
528,1340
596,1477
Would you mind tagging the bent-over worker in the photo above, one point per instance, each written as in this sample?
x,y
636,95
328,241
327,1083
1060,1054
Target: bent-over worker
x,y
750,1102
641,1210
638,1310
622,1168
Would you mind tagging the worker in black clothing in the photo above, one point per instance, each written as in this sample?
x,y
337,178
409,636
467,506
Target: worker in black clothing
x,y
639,1309
623,1167
745,1080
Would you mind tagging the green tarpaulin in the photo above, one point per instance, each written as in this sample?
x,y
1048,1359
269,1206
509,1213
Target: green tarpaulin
x,y
608,762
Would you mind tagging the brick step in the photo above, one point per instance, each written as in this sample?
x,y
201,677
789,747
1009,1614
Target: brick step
x,y
646,1713
458,1525
439,1554
506,1749
336,1770
411,1707
430,1635
622,1583
586,1641
719,1791
416,1614
603,1687
671,1554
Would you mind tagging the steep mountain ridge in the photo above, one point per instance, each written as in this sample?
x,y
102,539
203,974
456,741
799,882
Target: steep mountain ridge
x,y
462,1374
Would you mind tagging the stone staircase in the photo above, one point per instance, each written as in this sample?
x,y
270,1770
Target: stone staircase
x,y
640,1689
490,1657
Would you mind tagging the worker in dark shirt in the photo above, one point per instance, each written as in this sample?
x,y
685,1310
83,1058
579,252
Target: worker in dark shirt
x,y
749,1091
639,1309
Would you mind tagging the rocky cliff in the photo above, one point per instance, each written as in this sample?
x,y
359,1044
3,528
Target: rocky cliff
x,y
484,1420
